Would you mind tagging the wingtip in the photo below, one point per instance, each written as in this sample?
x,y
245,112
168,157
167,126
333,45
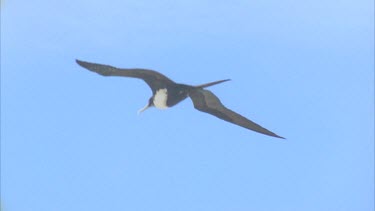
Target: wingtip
x,y
277,136
281,137
81,63
225,80
86,65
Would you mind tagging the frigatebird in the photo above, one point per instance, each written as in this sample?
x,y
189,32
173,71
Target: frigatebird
x,y
167,93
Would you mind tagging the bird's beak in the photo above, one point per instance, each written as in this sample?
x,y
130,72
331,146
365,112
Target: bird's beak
x,y
143,109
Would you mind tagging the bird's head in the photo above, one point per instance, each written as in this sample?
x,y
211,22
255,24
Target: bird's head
x,y
149,104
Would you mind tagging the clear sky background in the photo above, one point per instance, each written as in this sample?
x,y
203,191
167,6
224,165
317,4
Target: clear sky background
x,y
72,140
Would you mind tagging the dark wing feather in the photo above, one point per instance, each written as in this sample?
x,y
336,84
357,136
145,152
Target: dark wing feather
x,y
206,101
154,79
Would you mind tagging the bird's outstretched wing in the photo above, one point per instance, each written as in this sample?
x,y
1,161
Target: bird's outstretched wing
x,y
206,101
154,79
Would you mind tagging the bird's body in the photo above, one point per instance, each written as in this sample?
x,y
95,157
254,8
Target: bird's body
x,y
167,93
160,99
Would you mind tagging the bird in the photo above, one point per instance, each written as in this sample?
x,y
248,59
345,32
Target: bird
x,y
167,93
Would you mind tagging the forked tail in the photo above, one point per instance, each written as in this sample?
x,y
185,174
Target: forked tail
x,y
211,84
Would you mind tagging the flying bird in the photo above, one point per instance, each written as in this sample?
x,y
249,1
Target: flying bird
x,y
167,93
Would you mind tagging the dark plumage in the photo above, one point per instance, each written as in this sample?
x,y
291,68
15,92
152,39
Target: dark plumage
x,y
167,93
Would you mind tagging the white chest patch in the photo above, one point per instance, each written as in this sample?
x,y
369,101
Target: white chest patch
x,y
160,99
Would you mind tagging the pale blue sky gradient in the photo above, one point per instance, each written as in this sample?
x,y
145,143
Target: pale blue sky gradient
x,y
72,140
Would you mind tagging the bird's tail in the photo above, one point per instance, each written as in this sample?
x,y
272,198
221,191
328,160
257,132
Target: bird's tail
x,y
211,84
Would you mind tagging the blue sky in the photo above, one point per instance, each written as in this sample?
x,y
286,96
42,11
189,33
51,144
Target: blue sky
x,y
72,140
